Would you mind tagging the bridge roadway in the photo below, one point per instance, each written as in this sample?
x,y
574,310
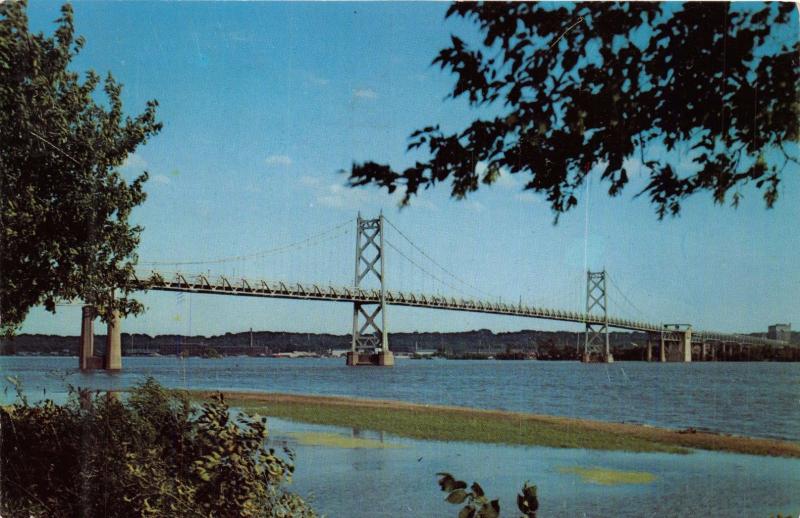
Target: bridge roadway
x,y
222,285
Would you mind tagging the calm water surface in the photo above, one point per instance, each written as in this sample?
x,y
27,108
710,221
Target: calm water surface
x,y
402,482
758,399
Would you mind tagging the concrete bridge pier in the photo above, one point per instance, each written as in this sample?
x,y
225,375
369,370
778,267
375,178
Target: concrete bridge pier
x,y
676,343
112,361
649,350
113,357
86,358
686,339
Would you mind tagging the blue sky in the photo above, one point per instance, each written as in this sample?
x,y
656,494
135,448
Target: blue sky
x,y
263,103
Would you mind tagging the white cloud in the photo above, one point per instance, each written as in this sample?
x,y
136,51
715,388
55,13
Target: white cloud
x,y
340,196
474,206
310,181
365,93
527,197
278,160
316,80
507,180
161,179
417,202
134,162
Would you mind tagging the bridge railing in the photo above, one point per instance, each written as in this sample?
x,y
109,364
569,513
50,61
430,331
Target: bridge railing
x,y
709,336
203,283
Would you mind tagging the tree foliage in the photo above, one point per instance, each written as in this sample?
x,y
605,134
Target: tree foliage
x,y
152,455
64,229
590,86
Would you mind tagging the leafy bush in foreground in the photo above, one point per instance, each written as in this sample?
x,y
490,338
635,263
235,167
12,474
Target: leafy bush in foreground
x,y
152,454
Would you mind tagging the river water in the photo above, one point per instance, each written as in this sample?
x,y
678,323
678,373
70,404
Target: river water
x,y
756,399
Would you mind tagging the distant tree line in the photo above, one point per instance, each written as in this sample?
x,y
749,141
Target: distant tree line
x,y
478,344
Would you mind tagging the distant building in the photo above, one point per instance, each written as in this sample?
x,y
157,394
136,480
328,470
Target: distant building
x,y
781,332
425,352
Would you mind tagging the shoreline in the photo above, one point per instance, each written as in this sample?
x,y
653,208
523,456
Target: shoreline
x,y
452,423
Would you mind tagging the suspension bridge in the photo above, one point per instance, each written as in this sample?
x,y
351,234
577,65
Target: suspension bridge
x,y
370,335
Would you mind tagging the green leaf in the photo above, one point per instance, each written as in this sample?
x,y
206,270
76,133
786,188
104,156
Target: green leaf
x,y
61,152
448,483
614,106
457,496
490,510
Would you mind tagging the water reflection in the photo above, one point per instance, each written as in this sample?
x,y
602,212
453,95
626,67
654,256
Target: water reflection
x,y
366,482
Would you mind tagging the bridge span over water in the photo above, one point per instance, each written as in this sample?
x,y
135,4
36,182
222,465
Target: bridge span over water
x,y
370,344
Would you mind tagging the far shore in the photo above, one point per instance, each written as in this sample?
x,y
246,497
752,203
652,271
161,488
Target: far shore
x,y
450,423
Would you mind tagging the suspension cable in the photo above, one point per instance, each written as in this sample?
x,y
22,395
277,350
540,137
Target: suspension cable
x,y
309,241
631,304
423,268
445,270
299,247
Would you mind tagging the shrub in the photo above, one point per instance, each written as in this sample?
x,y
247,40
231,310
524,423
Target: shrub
x,y
150,454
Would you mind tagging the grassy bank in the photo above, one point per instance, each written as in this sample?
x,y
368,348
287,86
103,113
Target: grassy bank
x,y
445,423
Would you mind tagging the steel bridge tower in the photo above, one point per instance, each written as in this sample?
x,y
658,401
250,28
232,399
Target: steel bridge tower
x,y
370,343
596,346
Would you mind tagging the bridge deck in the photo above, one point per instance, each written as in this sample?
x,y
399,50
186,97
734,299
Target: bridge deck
x,y
261,288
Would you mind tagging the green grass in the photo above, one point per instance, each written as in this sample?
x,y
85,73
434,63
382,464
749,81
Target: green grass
x,y
436,424
610,477
444,423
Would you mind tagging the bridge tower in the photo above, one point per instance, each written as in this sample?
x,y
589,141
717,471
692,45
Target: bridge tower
x,y
596,346
370,343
